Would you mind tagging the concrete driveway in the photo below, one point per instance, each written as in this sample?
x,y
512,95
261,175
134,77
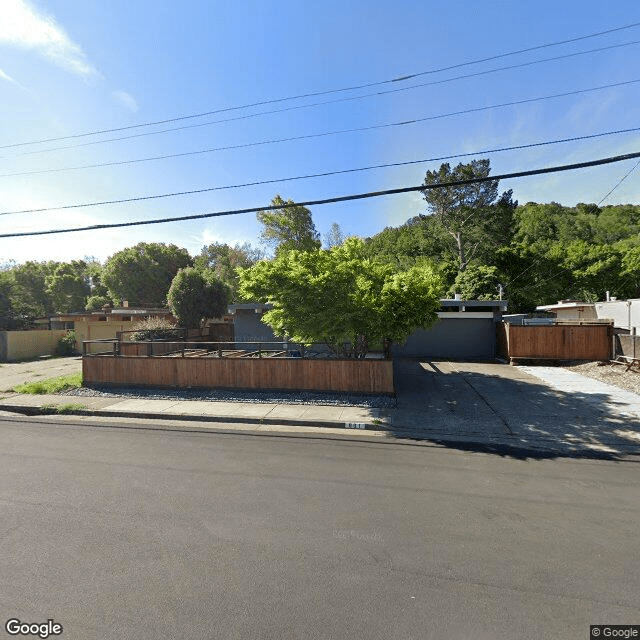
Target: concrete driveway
x,y
521,406
14,373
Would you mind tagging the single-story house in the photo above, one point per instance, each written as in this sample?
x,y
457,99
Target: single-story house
x,y
464,329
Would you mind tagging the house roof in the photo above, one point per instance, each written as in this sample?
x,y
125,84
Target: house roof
x,y
565,304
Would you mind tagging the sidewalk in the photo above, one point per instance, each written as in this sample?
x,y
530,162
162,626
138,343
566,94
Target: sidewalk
x,y
490,404
199,410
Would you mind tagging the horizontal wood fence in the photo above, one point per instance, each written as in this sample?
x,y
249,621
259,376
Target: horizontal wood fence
x,y
555,342
359,376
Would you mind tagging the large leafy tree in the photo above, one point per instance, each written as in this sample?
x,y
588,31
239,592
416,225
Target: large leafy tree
x,y
6,307
224,259
68,286
477,282
473,215
195,295
30,298
288,226
143,274
340,296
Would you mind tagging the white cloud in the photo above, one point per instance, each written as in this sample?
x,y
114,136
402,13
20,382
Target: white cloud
x,y
6,77
23,26
126,99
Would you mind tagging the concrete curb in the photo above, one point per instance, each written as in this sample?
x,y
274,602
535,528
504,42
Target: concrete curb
x,y
106,413
503,446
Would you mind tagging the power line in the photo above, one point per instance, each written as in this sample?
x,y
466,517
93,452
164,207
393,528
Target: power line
x,y
325,133
624,177
401,78
325,102
320,175
309,203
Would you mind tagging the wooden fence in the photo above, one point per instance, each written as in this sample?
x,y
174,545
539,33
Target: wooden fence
x,y
555,342
358,376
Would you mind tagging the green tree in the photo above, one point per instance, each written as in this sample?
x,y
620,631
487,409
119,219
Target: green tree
x,y
340,296
224,259
196,295
6,307
472,214
334,237
143,274
477,282
288,226
30,298
68,286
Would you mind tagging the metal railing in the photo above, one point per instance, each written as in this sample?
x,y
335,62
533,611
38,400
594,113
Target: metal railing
x,y
186,348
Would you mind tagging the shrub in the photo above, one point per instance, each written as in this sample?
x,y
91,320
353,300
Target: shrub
x,y
67,344
156,329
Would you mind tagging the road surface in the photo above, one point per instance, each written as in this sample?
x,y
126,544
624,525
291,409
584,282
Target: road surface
x,y
117,533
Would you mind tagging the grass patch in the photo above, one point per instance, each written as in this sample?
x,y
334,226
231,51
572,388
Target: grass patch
x,y
51,385
67,408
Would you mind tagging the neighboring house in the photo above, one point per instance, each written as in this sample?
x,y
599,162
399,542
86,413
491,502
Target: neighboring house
x,y
625,314
571,311
104,324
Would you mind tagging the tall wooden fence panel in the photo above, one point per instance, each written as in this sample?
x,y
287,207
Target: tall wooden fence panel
x,y
360,376
555,342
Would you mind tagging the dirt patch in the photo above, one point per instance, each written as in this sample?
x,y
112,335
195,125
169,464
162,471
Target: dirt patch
x,y
614,374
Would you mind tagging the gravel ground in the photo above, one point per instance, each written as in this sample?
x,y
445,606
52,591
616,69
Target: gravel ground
x,y
278,397
614,374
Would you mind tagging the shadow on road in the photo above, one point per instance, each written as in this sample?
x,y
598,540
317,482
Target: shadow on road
x,y
499,409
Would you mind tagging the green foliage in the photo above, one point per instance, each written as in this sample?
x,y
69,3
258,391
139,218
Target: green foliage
x,y
67,286
541,252
334,237
51,385
155,328
96,303
340,296
196,295
223,260
40,289
143,274
477,282
6,307
30,296
68,408
472,214
288,227
67,344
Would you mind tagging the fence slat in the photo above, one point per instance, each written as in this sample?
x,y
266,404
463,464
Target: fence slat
x,y
363,376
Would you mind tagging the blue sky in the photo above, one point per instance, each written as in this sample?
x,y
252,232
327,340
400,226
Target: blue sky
x,y
69,67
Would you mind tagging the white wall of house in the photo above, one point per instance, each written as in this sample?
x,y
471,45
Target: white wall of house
x,y
624,313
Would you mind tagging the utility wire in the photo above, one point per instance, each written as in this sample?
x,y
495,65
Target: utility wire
x,y
325,133
316,104
319,175
330,91
309,203
620,181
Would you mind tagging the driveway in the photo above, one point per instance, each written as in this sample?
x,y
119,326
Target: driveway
x,y
14,373
521,406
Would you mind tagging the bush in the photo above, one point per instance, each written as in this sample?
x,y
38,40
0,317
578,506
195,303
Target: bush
x,y
67,344
156,329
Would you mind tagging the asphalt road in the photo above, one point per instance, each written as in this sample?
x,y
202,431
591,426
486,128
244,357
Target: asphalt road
x,y
118,533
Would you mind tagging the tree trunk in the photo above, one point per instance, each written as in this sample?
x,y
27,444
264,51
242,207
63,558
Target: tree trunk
x,y
463,261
